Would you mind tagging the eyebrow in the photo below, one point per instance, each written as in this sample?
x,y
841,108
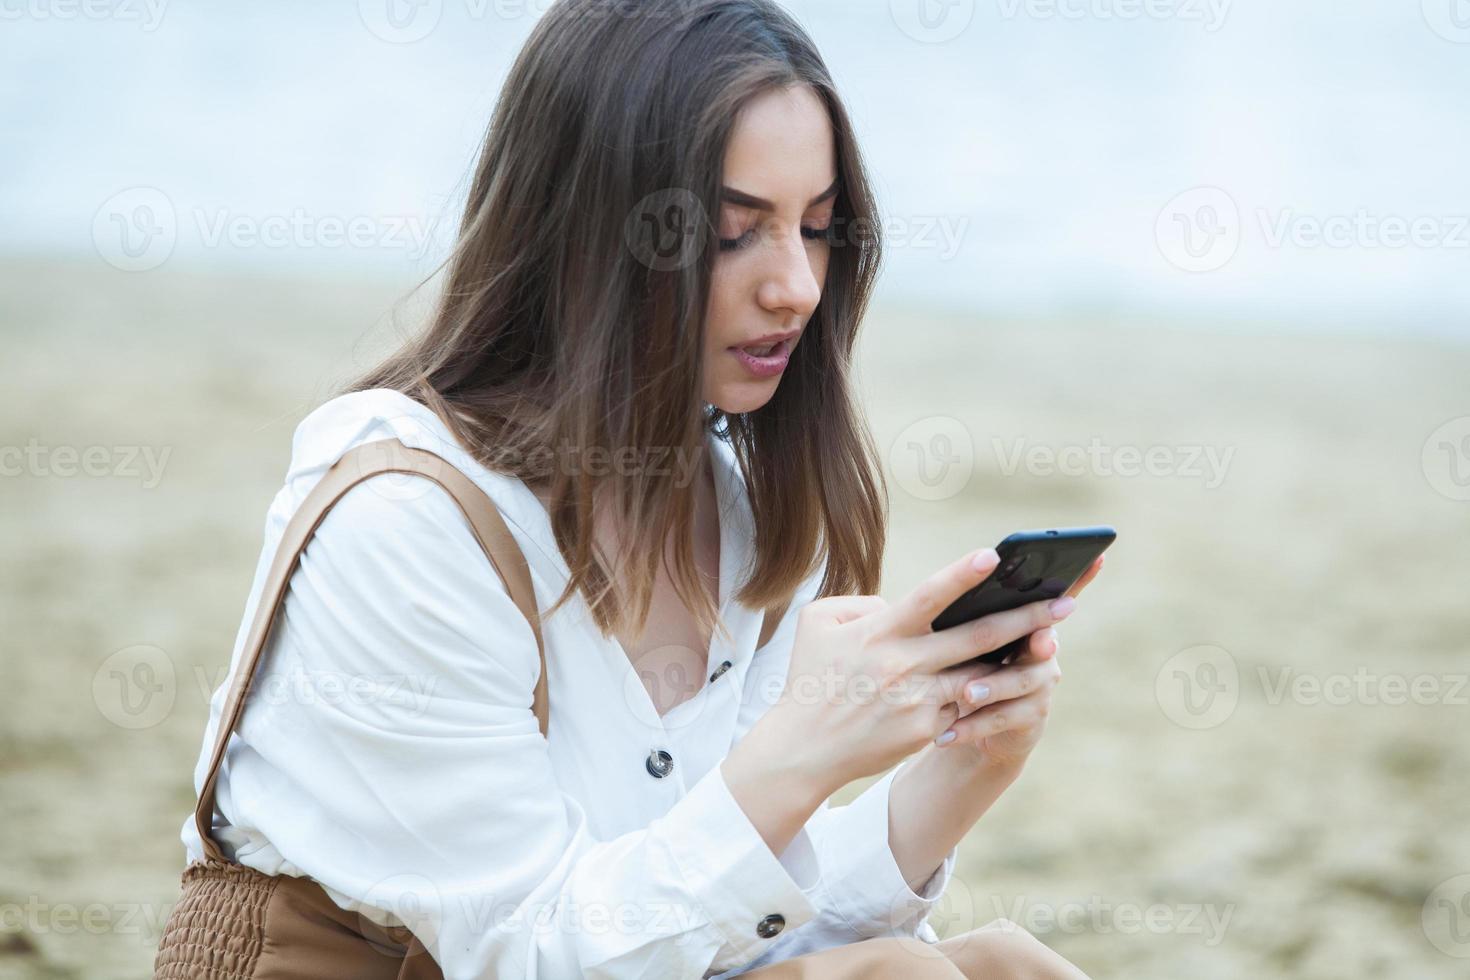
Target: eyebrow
x,y
745,200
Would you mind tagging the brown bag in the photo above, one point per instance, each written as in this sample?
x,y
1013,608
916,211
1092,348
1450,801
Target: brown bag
x,y
236,923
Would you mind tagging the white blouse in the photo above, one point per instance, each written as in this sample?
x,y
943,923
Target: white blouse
x,y
389,750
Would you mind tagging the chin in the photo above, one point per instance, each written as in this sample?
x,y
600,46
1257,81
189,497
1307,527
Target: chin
x,y
738,398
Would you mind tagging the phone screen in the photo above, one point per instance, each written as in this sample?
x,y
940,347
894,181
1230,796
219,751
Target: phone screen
x,y
1034,566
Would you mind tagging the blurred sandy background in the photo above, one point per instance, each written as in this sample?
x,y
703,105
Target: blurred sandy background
x,y
1148,267
1286,839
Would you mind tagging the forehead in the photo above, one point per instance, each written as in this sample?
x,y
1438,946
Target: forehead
x,y
782,147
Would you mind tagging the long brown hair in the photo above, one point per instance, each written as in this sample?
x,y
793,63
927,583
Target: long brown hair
x,y
573,310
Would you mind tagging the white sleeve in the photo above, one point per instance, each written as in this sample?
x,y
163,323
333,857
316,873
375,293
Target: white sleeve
x,y
424,787
863,892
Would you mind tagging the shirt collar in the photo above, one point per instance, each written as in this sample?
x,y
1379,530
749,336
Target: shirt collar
x,y
380,413
521,505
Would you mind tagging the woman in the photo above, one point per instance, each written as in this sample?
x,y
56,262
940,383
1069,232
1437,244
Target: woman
x,y
667,190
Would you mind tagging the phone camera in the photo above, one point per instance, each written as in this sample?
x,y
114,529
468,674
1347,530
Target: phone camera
x,y
1008,570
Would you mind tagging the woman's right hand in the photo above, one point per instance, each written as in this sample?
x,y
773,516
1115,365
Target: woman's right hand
x,y
870,683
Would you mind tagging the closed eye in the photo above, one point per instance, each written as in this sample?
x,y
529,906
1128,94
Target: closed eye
x,y
731,244
747,239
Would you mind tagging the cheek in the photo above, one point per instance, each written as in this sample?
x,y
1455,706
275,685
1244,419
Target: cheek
x,y
724,293
821,257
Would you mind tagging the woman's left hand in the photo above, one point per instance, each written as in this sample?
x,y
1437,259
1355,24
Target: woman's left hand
x,y
1006,722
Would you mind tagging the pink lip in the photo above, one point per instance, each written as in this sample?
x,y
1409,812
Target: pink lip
x,y
769,366
770,338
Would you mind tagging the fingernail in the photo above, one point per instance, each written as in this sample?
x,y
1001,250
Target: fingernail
x,y
984,560
976,690
1062,608
946,738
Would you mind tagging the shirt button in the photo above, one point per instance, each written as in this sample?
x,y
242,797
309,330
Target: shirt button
x,y
770,925
659,763
720,670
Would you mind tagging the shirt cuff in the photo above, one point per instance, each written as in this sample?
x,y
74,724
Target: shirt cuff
x,y
742,887
862,878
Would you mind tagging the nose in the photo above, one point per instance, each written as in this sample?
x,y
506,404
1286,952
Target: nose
x,y
790,283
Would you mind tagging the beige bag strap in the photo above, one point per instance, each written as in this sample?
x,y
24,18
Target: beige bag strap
x,y
356,465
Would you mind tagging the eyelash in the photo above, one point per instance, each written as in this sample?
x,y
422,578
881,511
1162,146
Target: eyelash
x,y
732,244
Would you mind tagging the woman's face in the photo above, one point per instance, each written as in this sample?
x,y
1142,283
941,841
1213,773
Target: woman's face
x,y
779,188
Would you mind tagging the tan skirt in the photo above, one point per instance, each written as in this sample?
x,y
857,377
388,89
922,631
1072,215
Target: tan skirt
x,y
218,931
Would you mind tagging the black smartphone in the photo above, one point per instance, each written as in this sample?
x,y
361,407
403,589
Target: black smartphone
x,y
1034,566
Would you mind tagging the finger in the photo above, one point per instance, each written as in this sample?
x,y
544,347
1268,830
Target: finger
x,y
1086,578
838,609
950,684
956,644
994,719
914,614
970,685
1011,682
1041,645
